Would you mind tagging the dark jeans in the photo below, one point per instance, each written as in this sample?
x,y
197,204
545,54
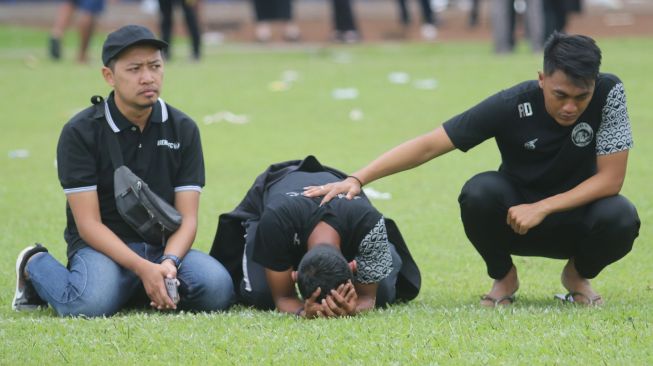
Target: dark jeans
x,y
166,7
595,235
254,289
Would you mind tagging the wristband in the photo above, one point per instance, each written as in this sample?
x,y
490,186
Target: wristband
x,y
172,257
358,180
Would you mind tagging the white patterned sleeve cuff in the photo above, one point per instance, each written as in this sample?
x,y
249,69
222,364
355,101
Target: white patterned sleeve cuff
x,y
374,261
614,133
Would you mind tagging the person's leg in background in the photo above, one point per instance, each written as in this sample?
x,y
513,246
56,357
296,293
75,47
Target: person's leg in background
x,y
503,24
344,22
61,23
190,8
428,30
166,22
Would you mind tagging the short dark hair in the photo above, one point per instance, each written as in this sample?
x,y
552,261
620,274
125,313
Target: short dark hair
x,y
577,56
323,266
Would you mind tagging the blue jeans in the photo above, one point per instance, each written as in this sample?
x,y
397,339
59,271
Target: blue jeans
x,y
95,285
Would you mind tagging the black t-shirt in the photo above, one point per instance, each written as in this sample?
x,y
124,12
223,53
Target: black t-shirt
x,y
536,151
167,155
289,218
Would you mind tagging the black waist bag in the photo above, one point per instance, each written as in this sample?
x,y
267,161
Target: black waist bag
x,y
149,215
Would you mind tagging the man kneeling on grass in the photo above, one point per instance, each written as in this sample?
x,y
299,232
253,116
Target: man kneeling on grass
x,y
344,256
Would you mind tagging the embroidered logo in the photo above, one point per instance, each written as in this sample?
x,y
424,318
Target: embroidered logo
x,y
525,110
530,145
582,134
295,240
170,145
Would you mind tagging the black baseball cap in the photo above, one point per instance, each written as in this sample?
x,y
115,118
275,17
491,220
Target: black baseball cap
x,y
128,36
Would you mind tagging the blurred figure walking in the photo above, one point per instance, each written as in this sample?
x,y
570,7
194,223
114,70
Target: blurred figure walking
x,y
190,8
268,11
344,22
89,11
504,20
428,30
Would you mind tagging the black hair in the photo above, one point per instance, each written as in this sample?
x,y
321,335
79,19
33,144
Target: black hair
x,y
323,266
577,56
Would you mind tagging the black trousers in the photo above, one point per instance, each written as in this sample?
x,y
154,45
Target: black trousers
x,y
343,16
595,235
166,7
427,12
272,10
555,16
254,290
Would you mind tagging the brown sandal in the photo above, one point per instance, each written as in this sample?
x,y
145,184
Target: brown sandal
x,y
496,302
571,298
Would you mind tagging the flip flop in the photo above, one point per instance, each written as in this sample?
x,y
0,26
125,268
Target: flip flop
x,y
571,298
496,302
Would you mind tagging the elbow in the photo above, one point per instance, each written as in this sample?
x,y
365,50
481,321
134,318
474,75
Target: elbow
x,y
614,186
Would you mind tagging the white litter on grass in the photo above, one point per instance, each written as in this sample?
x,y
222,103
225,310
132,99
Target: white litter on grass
x,y
342,58
344,93
425,84
289,76
226,116
356,115
398,77
374,194
31,61
18,154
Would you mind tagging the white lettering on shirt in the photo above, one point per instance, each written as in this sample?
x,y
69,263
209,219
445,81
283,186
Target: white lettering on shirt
x,y
170,145
525,110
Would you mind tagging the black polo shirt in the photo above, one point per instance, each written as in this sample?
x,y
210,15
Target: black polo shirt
x,y
538,153
167,155
290,217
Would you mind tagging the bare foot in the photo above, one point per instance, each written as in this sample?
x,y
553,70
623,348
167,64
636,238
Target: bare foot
x,y
579,287
502,290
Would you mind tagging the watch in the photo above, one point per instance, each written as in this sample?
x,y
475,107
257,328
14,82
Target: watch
x,y
172,257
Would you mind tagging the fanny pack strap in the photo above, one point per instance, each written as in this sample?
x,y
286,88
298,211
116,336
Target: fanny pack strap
x,y
114,145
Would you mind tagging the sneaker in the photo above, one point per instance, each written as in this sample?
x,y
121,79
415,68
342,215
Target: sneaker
x,y
55,48
26,297
429,32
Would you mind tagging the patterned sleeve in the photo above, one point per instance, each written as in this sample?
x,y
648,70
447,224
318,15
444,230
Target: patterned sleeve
x,y
374,260
614,133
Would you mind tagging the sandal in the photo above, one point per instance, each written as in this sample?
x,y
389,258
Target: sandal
x,y
496,302
571,298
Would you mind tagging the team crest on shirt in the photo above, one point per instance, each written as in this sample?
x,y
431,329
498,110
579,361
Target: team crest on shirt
x,y
582,134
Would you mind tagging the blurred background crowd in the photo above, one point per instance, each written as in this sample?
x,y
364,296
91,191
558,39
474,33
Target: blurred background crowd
x,y
340,21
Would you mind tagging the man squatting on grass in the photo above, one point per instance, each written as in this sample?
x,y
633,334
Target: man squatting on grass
x,y
564,142
344,255
109,265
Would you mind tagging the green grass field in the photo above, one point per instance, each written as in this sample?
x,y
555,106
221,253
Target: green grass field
x,y
444,325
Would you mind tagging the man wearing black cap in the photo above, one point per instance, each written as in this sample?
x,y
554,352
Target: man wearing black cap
x,y
109,265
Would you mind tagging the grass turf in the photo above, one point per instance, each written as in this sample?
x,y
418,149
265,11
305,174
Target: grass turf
x,y
444,325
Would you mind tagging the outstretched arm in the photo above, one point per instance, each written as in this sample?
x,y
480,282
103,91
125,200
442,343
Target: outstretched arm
x,y
408,155
609,177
